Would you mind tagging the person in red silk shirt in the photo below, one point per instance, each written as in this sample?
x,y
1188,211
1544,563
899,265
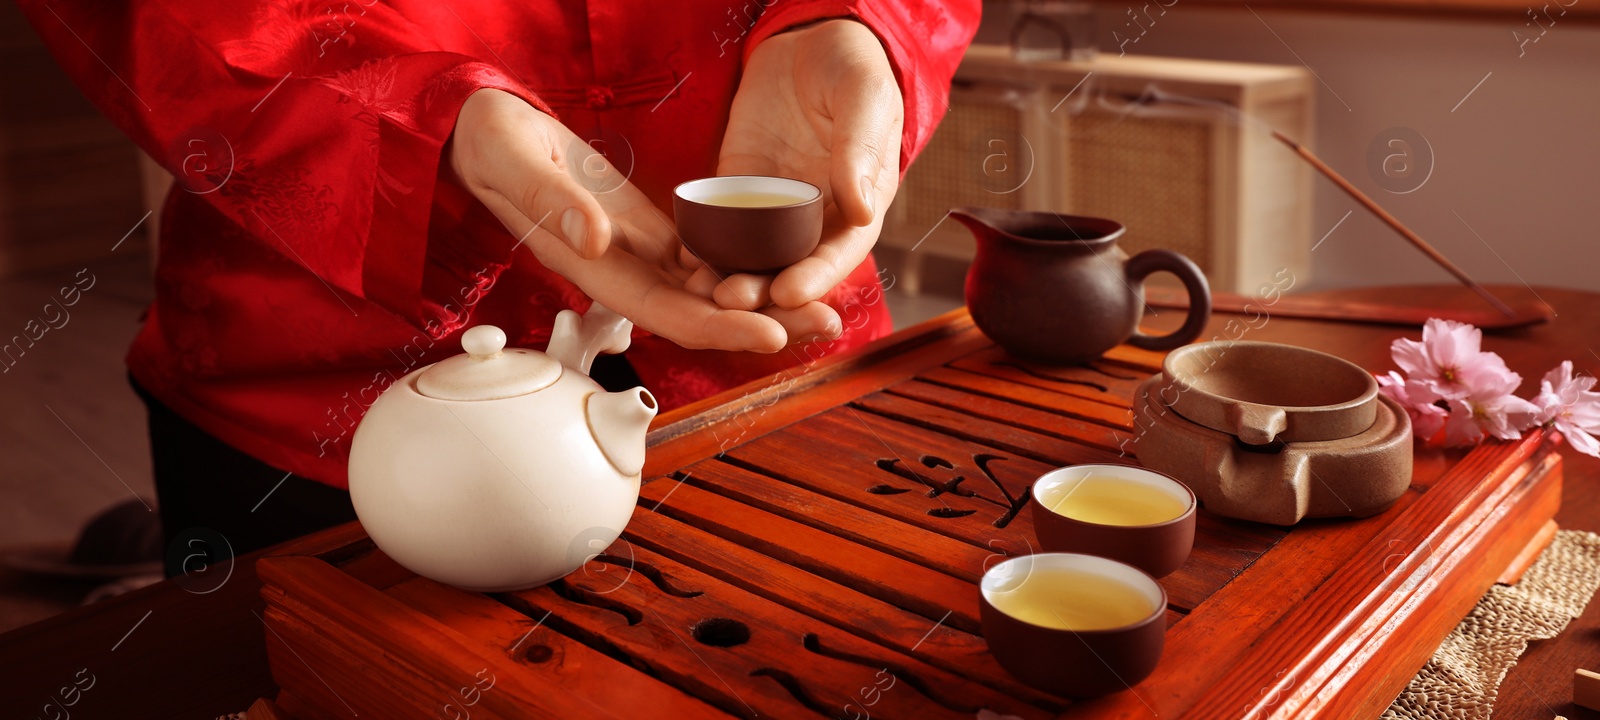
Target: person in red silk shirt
x,y
359,182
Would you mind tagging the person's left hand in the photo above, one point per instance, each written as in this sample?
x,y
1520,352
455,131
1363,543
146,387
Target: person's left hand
x,y
819,104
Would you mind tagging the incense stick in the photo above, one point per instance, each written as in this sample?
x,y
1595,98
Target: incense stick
x,y
1394,222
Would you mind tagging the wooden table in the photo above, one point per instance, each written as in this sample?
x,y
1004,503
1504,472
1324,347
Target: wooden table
x,y
825,561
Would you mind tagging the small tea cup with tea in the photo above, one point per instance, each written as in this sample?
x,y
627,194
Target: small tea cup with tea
x,y
1071,624
748,223
1126,513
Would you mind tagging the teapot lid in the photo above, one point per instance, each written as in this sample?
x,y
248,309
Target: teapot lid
x,y
488,371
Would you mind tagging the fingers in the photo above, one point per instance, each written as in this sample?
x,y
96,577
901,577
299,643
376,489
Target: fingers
x,y
582,227
806,281
504,147
804,323
647,234
624,283
698,324
704,283
693,320
588,165
842,249
722,329
737,292
808,323
688,259
866,135
544,193
743,291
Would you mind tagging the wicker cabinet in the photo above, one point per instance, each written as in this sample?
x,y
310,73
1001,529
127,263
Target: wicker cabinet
x,y
1177,150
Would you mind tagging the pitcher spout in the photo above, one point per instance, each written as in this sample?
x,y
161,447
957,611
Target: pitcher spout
x,y
978,220
618,421
1047,231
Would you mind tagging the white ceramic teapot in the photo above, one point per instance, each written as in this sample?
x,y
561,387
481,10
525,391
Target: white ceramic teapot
x,y
503,469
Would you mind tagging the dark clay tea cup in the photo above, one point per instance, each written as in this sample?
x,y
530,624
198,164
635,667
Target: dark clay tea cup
x,y
748,223
1073,625
1129,514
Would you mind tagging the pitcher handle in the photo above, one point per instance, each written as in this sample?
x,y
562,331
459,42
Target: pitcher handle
x,y
1194,281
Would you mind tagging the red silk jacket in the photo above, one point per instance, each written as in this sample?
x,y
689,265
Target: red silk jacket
x,y
313,253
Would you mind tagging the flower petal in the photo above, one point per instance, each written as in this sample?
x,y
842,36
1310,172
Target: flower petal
x,y
1451,344
1426,420
1486,376
1505,417
1548,402
1461,428
1581,441
1412,357
1560,376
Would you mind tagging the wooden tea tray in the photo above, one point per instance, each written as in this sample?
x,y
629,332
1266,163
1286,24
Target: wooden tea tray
x,y
808,546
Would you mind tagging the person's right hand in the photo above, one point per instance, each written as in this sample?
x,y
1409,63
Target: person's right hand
x,y
583,220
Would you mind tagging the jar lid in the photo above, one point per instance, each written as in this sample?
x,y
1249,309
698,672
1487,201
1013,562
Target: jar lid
x,y
488,371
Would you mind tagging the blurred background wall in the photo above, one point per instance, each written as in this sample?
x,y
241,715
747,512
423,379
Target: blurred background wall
x,y
1518,159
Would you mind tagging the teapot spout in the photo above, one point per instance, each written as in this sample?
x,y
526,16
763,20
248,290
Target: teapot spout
x,y
618,421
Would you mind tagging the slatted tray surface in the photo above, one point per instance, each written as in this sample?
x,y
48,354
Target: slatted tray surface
x,y
825,564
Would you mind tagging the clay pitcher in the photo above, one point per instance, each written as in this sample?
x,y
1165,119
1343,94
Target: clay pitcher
x,y
1056,288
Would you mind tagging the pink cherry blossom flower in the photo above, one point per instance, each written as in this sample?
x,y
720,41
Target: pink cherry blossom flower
x,y
1571,406
1492,410
1504,417
1420,403
1450,361
1461,429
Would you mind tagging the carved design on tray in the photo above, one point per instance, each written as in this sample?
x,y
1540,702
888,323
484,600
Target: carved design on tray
x,y
954,476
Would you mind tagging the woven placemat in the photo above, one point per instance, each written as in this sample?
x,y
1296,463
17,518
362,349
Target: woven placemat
x,y
1463,678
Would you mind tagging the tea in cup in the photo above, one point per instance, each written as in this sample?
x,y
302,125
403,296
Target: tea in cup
x,y
748,223
1070,624
1130,514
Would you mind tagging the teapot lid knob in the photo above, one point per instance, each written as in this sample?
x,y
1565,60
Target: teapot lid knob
x,y
488,371
483,342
